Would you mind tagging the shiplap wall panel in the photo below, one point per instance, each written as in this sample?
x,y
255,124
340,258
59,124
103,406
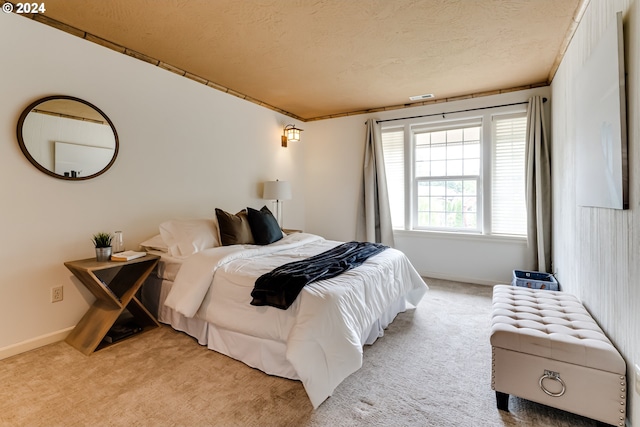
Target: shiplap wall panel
x,y
597,251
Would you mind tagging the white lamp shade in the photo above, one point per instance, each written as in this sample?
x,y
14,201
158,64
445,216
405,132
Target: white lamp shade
x,y
277,190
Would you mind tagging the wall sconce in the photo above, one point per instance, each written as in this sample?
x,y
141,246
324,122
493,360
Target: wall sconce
x,y
290,133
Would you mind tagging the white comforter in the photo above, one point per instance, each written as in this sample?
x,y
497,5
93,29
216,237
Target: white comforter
x,y
322,329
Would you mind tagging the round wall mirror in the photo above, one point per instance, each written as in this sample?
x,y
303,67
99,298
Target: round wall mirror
x,y
67,138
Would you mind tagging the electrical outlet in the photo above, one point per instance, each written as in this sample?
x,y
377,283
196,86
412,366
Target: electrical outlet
x,y
56,294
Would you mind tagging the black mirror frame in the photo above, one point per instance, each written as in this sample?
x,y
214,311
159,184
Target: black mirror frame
x,y
33,161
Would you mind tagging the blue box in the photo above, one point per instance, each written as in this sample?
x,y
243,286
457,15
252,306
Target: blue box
x,y
534,280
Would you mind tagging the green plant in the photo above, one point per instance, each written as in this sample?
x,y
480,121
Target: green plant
x,y
102,240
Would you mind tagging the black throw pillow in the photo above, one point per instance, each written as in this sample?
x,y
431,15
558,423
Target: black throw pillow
x,y
264,227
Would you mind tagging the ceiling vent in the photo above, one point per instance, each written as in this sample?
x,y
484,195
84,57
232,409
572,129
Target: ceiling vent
x,y
421,97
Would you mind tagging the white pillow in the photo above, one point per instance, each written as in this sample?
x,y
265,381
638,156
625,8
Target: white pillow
x,y
187,236
156,243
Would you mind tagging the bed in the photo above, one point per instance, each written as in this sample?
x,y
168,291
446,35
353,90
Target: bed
x,y
203,288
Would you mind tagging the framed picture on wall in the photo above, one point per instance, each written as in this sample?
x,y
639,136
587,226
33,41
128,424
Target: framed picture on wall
x,y
601,134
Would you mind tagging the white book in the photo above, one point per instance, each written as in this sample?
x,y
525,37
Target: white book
x,y
127,255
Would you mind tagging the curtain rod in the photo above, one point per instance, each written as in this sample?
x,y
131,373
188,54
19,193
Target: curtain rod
x,y
459,111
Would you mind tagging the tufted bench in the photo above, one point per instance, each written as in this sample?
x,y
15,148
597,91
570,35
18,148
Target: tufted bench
x,y
548,349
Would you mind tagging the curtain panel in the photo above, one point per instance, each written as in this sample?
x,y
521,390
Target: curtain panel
x,y
538,185
374,213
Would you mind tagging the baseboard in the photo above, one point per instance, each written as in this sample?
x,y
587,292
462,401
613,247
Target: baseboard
x,y
34,343
473,280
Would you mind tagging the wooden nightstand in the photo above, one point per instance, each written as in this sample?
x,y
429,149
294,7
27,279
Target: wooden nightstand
x,y
114,284
290,231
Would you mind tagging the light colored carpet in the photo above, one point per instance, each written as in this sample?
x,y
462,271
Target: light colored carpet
x,y
432,368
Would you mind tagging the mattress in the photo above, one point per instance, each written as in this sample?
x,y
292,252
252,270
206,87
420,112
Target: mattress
x,y
168,265
158,285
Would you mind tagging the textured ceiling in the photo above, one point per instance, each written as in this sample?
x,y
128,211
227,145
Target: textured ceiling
x,y
316,58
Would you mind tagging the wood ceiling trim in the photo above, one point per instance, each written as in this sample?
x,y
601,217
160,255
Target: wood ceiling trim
x,y
575,21
142,57
430,102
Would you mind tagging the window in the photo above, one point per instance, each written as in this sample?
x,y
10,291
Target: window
x,y
447,175
460,175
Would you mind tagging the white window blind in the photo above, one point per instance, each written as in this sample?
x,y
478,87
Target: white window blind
x,y
508,209
393,148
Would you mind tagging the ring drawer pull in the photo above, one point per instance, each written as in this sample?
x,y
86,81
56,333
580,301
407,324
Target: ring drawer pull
x,y
552,376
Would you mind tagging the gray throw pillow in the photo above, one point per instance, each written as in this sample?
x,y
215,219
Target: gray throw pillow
x,y
234,229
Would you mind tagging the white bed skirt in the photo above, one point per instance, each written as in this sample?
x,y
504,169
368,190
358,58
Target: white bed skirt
x,y
266,355
270,356
193,326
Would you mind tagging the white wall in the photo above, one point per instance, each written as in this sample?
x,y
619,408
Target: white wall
x,y
597,251
184,150
334,155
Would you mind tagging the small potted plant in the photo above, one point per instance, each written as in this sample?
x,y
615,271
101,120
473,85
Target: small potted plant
x,y
102,242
